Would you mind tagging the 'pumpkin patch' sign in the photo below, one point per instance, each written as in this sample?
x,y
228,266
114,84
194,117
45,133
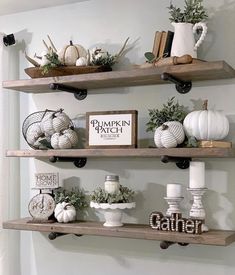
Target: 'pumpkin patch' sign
x,y
111,129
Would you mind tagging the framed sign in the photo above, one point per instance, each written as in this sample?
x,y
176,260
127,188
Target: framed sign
x,y
112,129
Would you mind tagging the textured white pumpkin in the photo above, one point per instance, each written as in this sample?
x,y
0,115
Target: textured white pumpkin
x,y
97,53
64,140
169,135
69,54
65,212
34,131
55,123
206,124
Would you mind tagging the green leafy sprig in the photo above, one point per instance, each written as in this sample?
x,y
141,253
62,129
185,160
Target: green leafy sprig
x,y
123,195
171,111
76,197
54,62
194,12
108,60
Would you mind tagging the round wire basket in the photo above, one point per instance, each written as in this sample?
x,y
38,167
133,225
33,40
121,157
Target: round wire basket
x,y
32,132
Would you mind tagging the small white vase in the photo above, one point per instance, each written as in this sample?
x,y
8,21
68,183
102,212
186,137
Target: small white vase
x,y
112,212
184,41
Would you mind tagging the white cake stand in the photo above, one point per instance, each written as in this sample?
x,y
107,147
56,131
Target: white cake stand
x,y
112,212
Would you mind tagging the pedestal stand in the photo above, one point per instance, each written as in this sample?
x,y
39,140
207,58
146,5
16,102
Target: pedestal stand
x,y
174,204
197,209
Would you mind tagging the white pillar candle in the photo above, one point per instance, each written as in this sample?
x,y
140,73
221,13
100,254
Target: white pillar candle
x,y
173,190
197,174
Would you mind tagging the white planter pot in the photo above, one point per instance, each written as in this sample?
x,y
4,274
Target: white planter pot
x,y
112,212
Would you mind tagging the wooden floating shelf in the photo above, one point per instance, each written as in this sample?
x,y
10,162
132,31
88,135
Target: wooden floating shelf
x,y
140,152
190,72
133,231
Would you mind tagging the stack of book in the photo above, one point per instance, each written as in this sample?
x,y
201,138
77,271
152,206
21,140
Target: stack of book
x,y
162,44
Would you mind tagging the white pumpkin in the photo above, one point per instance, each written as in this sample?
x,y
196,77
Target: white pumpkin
x,y
64,140
97,53
169,135
82,61
34,131
206,124
65,212
69,54
55,123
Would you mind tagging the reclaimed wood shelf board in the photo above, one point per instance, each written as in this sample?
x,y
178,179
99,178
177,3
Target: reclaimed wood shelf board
x,y
139,152
133,231
137,77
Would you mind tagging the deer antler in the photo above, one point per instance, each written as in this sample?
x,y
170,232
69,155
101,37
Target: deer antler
x,y
122,49
52,44
32,61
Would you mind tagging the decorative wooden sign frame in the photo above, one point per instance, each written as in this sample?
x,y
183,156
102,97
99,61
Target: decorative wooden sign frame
x,y
112,129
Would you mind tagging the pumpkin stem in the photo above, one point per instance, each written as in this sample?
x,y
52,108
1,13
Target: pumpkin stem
x,y
71,43
164,126
69,204
205,105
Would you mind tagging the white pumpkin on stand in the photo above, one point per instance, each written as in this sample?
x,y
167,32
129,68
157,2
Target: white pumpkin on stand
x,y
206,124
169,135
64,140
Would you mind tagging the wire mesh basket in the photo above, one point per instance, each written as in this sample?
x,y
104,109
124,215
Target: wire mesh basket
x,y
32,130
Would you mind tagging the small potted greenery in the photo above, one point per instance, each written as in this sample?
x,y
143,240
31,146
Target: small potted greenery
x,y
112,204
186,23
68,203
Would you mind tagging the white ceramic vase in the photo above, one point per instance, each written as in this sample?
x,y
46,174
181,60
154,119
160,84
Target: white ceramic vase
x,y
112,212
184,41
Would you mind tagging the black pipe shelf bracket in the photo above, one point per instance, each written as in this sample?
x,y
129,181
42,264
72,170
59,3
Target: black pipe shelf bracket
x,y
79,94
78,162
183,87
181,162
54,235
166,244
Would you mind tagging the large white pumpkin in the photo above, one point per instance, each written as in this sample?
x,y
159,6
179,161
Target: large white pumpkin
x,y
169,135
69,54
64,140
206,124
65,212
55,123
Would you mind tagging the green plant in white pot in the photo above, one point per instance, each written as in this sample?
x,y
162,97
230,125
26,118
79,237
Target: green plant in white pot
x,y
112,204
186,24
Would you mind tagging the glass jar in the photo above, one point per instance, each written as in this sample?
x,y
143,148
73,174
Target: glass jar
x,y
111,184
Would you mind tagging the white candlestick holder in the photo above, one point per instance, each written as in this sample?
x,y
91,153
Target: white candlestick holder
x,y
197,210
174,205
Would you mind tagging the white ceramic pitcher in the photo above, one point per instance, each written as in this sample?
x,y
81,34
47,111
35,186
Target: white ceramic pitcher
x,y
184,41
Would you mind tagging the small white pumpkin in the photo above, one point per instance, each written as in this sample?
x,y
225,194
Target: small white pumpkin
x,y
64,140
82,61
34,131
97,53
69,54
206,124
55,123
65,212
169,135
